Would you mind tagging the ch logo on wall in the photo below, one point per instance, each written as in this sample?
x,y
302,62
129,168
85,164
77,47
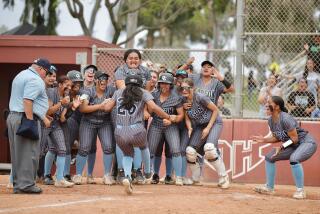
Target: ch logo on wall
x,y
241,156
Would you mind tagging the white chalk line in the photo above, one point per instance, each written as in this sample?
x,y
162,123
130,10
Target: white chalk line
x,y
64,204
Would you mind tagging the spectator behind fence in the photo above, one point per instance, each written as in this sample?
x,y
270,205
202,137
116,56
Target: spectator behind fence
x,y
225,111
301,102
313,51
266,92
251,85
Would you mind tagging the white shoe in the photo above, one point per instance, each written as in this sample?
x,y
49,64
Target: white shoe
x,y
264,190
300,194
187,181
90,180
108,180
63,183
77,179
224,182
10,185
179,181
127,186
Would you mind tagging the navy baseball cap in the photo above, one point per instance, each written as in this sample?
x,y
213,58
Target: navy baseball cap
x,y
44,63
100,75
206,62
90,66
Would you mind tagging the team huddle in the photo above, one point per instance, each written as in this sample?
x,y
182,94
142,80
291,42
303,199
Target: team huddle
x,y
133,120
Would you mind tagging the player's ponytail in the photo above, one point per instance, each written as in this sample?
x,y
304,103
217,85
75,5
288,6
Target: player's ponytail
x,y
131,94
279,102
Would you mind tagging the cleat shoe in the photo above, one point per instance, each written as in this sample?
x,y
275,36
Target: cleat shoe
x,y
187,181
139,177
148,178
68,178
77,179
224,182
120,176
127,183
48,180
155,179
29,190
10,185
90,179
168,180
264,190
63,184
300,194
179,181
108,180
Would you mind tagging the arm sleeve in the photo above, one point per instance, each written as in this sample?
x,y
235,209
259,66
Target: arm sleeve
x,y
119,75
220,87
146,96
288,123
204,100
32,89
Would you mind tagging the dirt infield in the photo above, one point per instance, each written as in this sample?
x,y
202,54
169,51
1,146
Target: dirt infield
x,y
157,199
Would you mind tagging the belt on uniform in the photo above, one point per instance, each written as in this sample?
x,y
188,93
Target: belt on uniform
x,y
129,126
35,117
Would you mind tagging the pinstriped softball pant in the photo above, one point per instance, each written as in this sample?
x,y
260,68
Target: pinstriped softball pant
x,y
296,154
170,134
213,136
130,136
57,142
88,136
71,133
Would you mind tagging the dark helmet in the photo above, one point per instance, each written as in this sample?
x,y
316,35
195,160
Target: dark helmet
x,y
100,75
75,76
181,73
134,80
166,78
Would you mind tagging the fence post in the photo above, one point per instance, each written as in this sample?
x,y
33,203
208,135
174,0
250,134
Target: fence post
x,y
239,61
94,55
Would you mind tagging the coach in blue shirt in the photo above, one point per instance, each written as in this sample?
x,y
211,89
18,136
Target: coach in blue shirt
x,y
29,98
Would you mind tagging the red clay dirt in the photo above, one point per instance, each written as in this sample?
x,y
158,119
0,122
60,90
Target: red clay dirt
x,y
157,199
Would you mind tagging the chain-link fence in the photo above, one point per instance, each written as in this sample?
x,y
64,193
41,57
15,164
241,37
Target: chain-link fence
x,y
275,55
280,39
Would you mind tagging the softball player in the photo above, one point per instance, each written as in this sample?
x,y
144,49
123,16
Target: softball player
x,y
49,81
212,88
200,120
132,58
298,146
161,130
58,100
71,119
88,83
130,131
96,122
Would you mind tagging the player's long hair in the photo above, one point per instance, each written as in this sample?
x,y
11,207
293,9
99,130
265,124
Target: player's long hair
x,y
131,94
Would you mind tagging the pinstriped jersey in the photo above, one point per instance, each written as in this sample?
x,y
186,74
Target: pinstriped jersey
x,y
169,106
123,71
285,124
54,96
126,117
213,89
98,117
199,113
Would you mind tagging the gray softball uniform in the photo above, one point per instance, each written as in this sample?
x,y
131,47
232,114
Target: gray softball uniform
x,y
129,129
213,90
95,124
296,153
57,142
200,116
157,132
123,71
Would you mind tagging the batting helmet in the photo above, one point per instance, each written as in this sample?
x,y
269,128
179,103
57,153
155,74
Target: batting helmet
x,y
75,76
134,80
181,73
166,78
